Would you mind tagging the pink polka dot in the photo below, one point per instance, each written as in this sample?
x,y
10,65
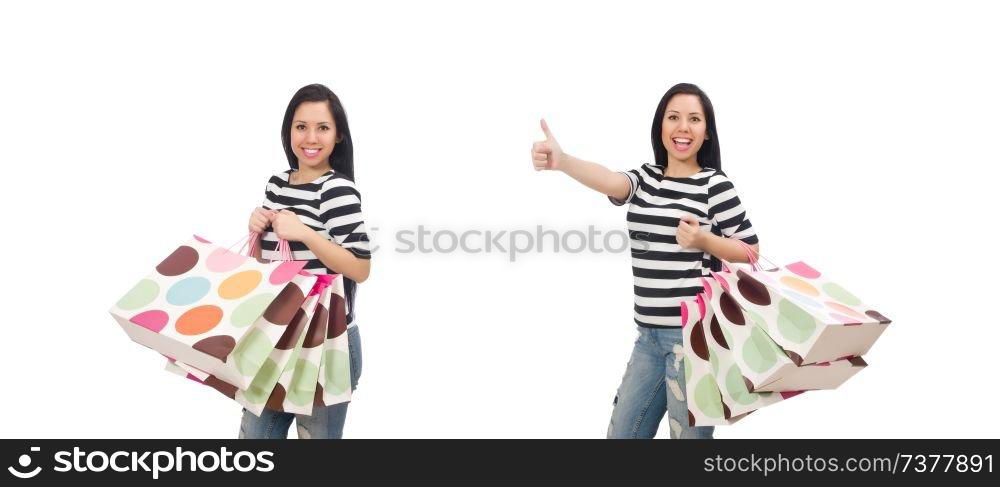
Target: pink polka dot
x,y
803,269
790,394
222,260
844,319
845,310
701,306
721,281
707,286
286,271
763,277
154,320
684,313
201,239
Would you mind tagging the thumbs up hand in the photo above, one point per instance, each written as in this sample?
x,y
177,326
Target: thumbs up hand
x,y
546,154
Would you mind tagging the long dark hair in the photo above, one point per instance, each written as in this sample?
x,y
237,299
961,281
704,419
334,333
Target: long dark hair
x,y
342,158
708,155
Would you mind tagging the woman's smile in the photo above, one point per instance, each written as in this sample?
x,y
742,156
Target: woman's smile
x,y
681,144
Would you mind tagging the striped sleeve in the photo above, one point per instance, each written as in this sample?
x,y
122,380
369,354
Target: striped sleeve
x,y
727,212
633,184
340,211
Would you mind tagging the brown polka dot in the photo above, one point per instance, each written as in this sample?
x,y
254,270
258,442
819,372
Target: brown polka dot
x,y
726,413
224,387
290,337
717,333
180,261
283,308
749,384
690,418
318,397
752,289
878,316
698,343
317,328
796,358
338,317
276,400
219,346
858,362
731,310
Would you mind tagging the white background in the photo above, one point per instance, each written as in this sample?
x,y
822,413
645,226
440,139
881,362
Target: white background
x,y
859,135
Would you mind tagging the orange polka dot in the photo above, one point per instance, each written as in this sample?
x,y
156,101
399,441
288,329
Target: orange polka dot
x,y
196,321
240,284
800,285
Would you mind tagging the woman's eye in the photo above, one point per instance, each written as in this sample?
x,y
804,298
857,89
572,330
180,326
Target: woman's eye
x,y
324,128
300,127
672,117
695,119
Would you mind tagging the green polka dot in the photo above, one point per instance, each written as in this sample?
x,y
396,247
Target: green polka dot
x,y
758,351
756,318
728,337
737,388
263,383
687,370
140,295
337,371
841,294
707,398
302,390
714,361
794,323
252,351
251,309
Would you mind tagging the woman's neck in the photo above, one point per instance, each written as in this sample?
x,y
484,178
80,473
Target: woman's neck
x,y
681,169
304,174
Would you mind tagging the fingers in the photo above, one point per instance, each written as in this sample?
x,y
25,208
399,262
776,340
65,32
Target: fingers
x,y
545,129
540,154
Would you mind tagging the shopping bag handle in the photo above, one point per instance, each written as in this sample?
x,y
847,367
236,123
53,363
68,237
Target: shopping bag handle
x,y
252,240
753,257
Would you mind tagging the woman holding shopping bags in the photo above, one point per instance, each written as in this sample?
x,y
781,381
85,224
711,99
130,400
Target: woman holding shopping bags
x,y
683,214
316,207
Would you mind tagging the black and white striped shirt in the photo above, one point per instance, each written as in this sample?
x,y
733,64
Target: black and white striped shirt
x,y
663,273
330,205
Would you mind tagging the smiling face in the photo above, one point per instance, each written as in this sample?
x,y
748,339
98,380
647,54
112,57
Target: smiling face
x,y
684,128
314,135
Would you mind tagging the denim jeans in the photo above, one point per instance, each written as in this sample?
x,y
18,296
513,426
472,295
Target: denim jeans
x,y
326,422
653,385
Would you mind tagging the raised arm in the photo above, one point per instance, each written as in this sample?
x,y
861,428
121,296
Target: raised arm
x,y
548,155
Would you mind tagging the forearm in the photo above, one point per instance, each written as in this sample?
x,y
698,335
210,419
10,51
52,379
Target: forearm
x,y
596,177
338,258
726,248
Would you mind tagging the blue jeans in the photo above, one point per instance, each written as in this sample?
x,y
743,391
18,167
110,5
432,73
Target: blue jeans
x,y
326,422
653,385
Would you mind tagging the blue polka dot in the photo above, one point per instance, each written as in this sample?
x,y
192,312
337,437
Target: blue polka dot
x,y
798,298
188,291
